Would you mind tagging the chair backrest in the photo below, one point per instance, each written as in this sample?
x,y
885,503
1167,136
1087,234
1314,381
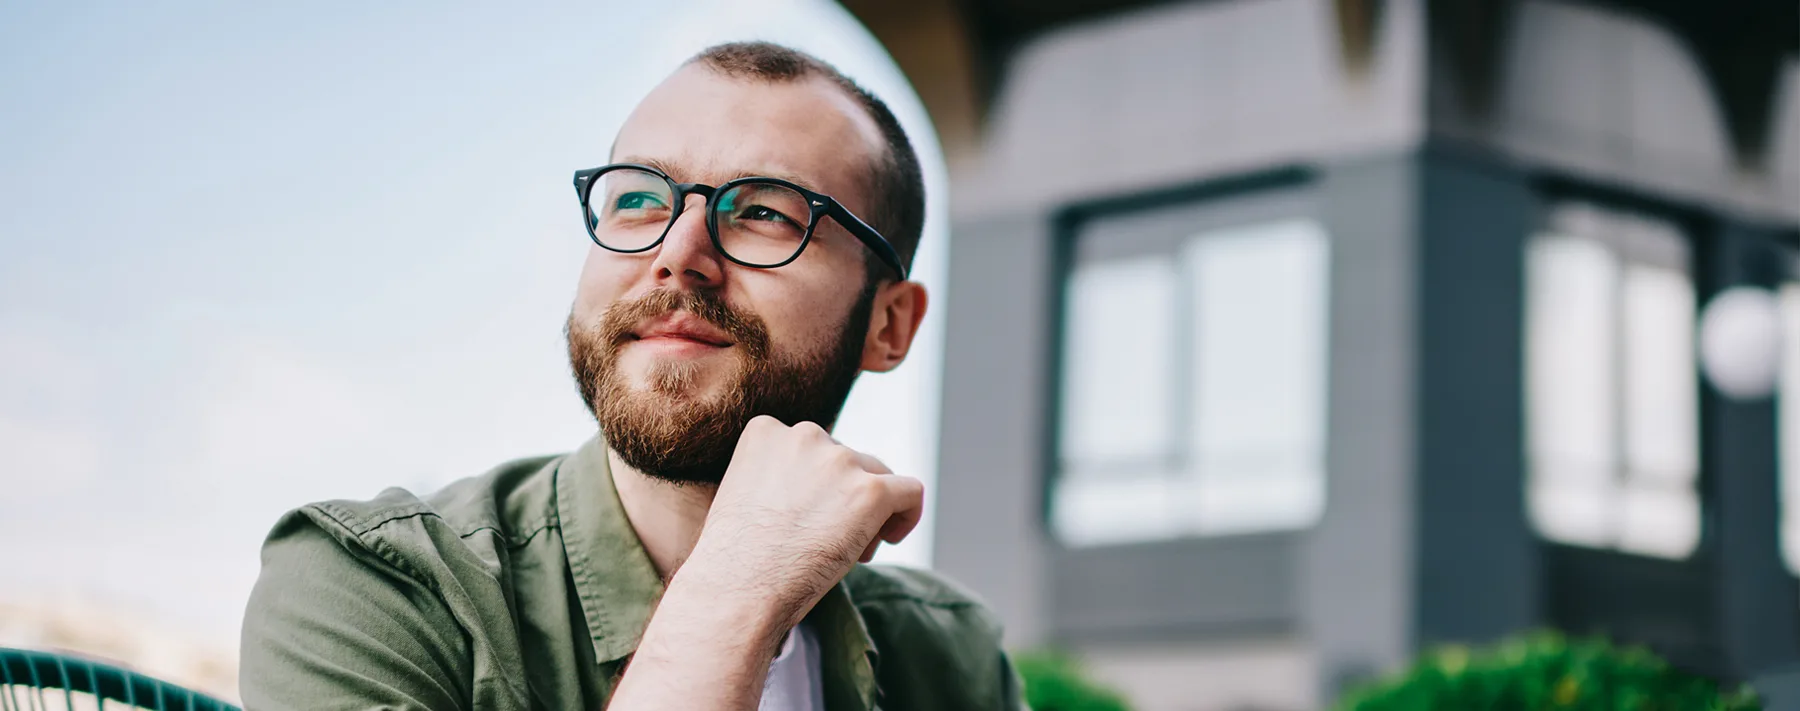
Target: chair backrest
x,y
45,680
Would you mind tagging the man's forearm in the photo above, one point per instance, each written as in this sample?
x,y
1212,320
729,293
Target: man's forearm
x,y
702,650
788,521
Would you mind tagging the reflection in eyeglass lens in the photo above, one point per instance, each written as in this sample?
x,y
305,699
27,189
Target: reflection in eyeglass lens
x,y
761,223
629,208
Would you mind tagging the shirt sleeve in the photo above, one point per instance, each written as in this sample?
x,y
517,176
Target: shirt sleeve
x,y
330,625
961,650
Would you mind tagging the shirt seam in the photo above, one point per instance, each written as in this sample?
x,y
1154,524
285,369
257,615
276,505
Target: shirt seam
x,y
364,526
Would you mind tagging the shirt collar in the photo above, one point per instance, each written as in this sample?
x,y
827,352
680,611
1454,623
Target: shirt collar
x,y
847,654
618,586
614,578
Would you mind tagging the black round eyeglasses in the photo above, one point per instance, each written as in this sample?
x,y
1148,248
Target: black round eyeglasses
x,y
756,222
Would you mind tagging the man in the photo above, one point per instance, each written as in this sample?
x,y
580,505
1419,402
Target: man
x,y
702,552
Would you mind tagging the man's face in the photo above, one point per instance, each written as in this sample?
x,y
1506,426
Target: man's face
x,y
676,348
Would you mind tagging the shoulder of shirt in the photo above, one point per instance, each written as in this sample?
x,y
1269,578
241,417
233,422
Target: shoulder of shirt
x,y
878,584
513,502
928,628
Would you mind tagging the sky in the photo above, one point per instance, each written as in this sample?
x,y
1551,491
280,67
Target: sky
x,y
255,255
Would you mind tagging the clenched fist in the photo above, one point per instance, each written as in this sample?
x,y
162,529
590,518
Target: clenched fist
x,y
795,511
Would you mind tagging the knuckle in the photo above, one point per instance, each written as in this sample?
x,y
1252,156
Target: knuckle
x,y
867,493
842,457
760,423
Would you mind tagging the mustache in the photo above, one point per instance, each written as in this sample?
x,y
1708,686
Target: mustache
x,y
748,330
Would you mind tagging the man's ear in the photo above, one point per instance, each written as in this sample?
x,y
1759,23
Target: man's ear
x,y
894,322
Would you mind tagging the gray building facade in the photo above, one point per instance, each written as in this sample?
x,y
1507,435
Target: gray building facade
x,y
1385,233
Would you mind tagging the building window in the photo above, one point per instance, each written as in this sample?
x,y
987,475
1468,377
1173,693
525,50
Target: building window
x,y
1788,417
1611,385
1192,383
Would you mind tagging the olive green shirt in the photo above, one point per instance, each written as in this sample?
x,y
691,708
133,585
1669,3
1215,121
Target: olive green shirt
x,y
526,588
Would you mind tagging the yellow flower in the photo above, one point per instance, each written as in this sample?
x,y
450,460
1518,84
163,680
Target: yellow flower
x,y
1566,691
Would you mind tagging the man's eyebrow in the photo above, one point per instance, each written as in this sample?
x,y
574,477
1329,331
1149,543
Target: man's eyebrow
x,y
672,170
790,177
666,167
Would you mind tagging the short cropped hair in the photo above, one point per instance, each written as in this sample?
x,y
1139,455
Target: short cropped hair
x,y
896,184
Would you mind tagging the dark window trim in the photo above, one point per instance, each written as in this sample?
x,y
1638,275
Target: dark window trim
x,y
1669,605
1287,176
1691,218
1697,220
1182,589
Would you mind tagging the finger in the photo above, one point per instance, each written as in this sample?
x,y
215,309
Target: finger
x,y
907,496
810,430
870,464
869,553
760,423
759,428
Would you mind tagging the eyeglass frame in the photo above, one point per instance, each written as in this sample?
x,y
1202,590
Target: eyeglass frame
x,y
821,205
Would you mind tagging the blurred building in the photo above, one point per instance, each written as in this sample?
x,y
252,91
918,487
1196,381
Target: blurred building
x,y
1288,337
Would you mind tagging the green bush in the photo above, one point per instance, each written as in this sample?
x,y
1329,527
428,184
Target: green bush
x,y
1546,671
1055,682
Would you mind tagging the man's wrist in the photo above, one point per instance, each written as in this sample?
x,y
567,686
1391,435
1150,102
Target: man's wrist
x,y
705,627
742,612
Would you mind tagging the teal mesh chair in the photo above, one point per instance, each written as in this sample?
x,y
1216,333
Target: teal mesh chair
x,y
39,681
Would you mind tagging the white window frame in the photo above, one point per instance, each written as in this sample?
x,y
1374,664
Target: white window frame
x,y
1164,493
1632,483
1787,403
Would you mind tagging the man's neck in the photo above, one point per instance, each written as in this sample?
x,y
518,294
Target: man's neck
x,y
666,516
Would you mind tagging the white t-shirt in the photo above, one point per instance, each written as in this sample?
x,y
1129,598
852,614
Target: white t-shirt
x,y
795,682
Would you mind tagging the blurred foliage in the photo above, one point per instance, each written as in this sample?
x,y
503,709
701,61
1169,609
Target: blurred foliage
x,y
1542,672
1056,682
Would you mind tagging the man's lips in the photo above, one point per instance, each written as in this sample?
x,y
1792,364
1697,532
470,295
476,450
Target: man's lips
x,y
682,327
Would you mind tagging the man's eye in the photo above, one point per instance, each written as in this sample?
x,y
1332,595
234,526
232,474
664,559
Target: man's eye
x,y
637,201
759,212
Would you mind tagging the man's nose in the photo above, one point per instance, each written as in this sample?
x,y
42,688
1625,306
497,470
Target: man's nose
x,y
687,257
